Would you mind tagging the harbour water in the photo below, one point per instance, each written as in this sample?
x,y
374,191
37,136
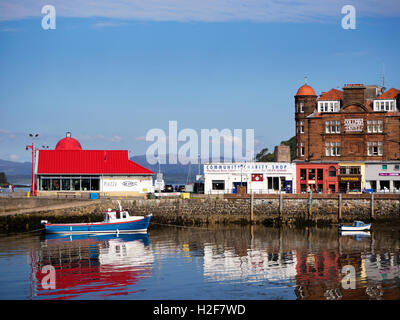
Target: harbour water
x,y
246,263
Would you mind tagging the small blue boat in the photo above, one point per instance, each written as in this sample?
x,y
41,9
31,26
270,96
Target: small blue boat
x,y
118,221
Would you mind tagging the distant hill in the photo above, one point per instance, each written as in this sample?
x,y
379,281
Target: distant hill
x,y
20,173
17,172
172,173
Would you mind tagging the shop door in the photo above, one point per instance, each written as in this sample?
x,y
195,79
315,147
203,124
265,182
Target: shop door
x,y
288,186
238,184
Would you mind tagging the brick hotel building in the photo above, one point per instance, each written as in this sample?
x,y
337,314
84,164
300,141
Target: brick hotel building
x,y
343,134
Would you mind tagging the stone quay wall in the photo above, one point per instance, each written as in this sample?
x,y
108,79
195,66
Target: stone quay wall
x,y
292,209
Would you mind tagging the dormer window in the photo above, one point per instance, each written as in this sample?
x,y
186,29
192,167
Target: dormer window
x,y
385,105
328,106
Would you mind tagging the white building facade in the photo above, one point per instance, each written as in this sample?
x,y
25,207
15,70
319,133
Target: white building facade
x,y
256,177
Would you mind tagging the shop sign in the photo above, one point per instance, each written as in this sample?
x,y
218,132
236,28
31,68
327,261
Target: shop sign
x,y
247,168
354,125
349,178
122,185
391,174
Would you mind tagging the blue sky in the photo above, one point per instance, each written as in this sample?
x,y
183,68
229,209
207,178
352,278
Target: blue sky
x,y
109,73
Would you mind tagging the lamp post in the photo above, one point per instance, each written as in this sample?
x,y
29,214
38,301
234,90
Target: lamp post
x,y
32,147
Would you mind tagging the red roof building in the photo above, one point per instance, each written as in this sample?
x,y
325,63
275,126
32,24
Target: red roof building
x,y
70,170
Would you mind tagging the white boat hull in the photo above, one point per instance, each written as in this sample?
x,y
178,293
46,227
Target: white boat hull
x,y
351,228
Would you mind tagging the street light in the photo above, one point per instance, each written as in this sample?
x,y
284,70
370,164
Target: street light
x,y
32,147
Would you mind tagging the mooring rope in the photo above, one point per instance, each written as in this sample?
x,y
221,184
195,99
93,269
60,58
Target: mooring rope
x,y
22,233
175,225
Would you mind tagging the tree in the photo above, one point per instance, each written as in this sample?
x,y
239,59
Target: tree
x,y
265,156
3,180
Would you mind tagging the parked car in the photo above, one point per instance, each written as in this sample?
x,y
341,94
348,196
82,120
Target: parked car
x,y
168,188
181,188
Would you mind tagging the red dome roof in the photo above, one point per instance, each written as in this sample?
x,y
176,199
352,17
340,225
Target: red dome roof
x,y
305,90
68,144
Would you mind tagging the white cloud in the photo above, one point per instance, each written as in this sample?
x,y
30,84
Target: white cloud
x,y
199,10
99,137
13,157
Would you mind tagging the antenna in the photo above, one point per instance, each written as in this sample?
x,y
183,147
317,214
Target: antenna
x,y
383,75
305,79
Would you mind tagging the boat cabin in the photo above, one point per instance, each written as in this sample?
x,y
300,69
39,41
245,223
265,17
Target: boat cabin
x,y
358,224
111,216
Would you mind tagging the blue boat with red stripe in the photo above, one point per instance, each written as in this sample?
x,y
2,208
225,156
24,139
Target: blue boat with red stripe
x,y
117,221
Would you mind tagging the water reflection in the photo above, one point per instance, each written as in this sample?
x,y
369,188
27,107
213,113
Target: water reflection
x,y
220,263
105,264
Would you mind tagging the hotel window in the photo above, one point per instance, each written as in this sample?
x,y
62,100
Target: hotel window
x,y
328,106
332,149
375,126
332,126
300,127
385,105
300,149
375,148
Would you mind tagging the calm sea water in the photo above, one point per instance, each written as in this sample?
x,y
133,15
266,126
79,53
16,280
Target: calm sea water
x,y
248,263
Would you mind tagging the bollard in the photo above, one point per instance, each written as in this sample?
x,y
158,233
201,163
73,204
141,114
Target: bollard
x,y
372,206
251,207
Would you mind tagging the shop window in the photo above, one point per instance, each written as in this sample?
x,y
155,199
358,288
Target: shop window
x,y
45,184
95,184
342,170
320,174
371,185
311,174
269,183
303,188
384,185
332,171
275,183
55,184
332,188
396,185
218,185
355,170
303,174
86,184
320,188
283,180
66,184
76,184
